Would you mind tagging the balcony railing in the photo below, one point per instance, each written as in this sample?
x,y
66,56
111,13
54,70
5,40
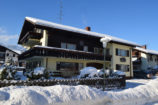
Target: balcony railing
x,y
62,53
31,35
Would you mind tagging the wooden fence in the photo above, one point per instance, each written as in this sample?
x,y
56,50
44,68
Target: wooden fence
x,y
110,83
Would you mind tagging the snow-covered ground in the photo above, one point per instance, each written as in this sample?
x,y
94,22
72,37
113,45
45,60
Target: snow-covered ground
x,y
137,92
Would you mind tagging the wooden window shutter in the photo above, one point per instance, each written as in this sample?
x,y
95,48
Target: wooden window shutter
x,y
116,51
127,53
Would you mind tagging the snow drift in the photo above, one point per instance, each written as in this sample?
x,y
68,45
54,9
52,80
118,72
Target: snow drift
x,y
48,95
145,93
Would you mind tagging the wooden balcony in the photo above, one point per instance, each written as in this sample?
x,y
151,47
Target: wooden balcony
x,y
31,37
62,53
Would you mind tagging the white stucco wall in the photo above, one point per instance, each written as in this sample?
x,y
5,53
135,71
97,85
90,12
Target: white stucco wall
x,y
9,56
116,59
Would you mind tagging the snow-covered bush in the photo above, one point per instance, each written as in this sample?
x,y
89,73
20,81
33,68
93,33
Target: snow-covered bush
x,y
88,72
91,72
118,73
101,73
7,72
38,73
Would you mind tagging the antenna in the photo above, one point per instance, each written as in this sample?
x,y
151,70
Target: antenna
x,y
61,11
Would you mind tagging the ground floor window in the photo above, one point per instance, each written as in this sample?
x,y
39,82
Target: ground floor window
x,y
122,67
69,66
33,64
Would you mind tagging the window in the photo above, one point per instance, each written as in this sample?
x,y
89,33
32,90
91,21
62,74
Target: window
x,y
85,48
124,68
80,66
151,58
71,46
7,54
67,66
98,50
107,51
13,55
2,54
63,45
68,46
121,52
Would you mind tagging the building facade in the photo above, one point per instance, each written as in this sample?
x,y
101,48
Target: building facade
x,y
67,50
144,59
8,56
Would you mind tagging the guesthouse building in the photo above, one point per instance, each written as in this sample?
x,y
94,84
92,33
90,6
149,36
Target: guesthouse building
x,y
66,50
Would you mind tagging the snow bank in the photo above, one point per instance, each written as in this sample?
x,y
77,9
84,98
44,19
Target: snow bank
x,y
48,95
145,92
38,71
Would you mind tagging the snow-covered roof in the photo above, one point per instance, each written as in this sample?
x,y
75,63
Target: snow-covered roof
x,y
77,30
152,52
11,49
146,50
141,49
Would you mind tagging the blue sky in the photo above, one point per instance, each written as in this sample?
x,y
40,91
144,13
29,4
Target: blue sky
x,y
134,20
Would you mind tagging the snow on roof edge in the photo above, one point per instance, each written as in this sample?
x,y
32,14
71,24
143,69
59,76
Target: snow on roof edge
x,y
146,50
15,51
73,29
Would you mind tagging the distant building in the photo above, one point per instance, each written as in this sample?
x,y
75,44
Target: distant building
x,y
8,56
66,49
144,59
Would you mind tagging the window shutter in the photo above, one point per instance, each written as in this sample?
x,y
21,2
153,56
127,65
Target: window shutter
x,y
127,53
117,51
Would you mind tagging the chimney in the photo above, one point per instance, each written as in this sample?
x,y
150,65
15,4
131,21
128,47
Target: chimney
x,y
88,28
144,46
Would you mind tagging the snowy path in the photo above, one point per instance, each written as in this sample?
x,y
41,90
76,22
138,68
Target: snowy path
x,y
137,92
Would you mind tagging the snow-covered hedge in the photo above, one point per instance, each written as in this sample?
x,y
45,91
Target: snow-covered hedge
x,y
91,72
39,71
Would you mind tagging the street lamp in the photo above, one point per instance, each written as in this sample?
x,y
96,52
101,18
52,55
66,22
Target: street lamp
x,y
105,41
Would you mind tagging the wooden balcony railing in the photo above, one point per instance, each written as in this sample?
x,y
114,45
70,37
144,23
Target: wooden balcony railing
x,y
31,35
62,53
